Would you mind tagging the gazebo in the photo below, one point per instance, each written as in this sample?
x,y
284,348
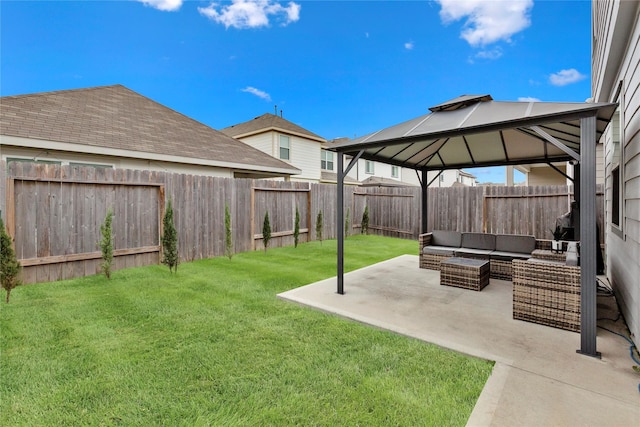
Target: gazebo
x,y
474,131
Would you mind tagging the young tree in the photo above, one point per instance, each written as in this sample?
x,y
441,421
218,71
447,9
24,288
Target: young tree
x,y
319,226
365,221
106,244
9,265
347,227
296,228
170,240
266,231
228,239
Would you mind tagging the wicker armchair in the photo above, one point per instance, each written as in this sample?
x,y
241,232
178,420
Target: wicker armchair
x,y
547,293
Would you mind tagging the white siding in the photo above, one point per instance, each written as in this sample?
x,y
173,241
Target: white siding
x,y
116,162
305,155
409,176
263,142
616,55
545,175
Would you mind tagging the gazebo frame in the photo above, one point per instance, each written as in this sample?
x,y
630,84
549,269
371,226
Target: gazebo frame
x,y
475,131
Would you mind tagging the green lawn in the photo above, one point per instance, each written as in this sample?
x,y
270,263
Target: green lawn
x,y
212,345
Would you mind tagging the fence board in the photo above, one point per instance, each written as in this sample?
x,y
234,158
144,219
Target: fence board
x,y
65,206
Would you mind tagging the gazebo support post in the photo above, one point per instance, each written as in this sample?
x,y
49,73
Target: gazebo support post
x,y
588,241
342,172
340,225
424,184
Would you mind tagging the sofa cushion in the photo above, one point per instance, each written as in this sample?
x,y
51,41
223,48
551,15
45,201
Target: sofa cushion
x,y
478,241
515,243
445,238
473,253
508,256
438,250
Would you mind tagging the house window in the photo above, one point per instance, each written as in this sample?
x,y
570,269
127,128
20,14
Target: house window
x,y
326,162
285,148
615,196
368,167
91,165
395,172
616,170
29,160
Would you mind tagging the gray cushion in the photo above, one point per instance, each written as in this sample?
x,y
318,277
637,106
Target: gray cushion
x,y
438,250
479,241
508,256
474,253
445,238
515,243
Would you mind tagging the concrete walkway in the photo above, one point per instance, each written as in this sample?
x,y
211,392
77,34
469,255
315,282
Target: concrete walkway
x,y
538,379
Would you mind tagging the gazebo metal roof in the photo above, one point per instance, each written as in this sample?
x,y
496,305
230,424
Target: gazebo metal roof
x,y
473,131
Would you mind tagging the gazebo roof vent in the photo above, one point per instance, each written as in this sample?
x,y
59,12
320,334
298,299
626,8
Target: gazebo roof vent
x,y
460,102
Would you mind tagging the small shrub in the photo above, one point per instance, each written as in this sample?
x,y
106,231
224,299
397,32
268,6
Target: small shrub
x,y
266,231
9,265
169,240
228,239
319,226
296,228
347,227
365,221
106,244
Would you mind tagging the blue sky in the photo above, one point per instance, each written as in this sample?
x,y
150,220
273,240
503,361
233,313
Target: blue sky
x,y
337,68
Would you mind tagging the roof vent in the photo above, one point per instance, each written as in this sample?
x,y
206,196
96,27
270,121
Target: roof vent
x,y
460,102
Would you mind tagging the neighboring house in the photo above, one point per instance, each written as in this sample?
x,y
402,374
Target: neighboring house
x,y
283,140
543,174
115,127
369,172
452,178
616,78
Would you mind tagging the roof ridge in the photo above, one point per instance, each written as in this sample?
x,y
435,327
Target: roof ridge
x,y
269,121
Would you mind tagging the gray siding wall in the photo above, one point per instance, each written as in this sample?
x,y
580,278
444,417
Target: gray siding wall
x,y
615,26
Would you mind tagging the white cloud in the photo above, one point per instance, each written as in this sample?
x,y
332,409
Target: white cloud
x,y
257,92
243,14
487,21
528,99
164,5
409,45
490,54
565,77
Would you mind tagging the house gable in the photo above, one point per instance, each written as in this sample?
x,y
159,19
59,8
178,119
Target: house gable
x,y
114,120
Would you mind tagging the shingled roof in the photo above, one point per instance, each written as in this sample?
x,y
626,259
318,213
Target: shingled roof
x,y
268,122
125,122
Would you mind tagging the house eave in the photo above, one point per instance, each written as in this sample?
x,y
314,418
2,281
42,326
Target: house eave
x,y
279,130
15,141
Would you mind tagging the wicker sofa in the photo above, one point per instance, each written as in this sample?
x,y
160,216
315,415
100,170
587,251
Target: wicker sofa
x,y
499,249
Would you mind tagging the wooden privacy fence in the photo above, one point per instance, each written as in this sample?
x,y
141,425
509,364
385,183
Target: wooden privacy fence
x,y
54,213
55,221
280,200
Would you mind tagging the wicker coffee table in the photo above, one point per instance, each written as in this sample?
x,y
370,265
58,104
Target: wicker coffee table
x,y
467,273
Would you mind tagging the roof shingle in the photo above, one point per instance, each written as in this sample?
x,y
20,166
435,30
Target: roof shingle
x,y
116,117
267,122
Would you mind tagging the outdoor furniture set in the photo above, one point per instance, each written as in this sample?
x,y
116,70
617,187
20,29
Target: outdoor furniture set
x,y
546,289
499,249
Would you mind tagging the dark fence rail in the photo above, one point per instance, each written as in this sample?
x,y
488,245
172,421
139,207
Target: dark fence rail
x,y
54,213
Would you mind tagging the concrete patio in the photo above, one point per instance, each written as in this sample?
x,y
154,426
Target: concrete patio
x,y
538,379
